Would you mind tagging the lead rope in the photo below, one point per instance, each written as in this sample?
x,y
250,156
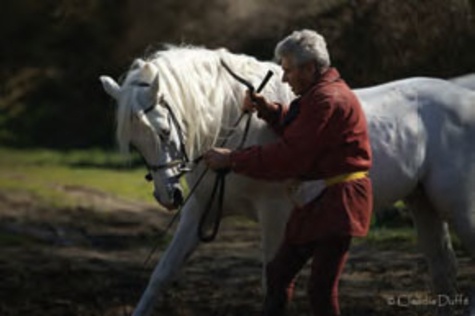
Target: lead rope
x,y
193,189
220,180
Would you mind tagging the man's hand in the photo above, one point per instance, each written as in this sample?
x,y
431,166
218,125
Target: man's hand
x,y
253,102
218,158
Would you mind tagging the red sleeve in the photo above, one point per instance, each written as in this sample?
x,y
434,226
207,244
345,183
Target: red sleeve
x,y
295,152
273,116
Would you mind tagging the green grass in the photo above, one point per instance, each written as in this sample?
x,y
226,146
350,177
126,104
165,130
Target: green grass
x,y
39,157
400,238
388,237
42,173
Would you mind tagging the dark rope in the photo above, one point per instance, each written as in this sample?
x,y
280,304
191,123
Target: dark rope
x,y
220,180
219,188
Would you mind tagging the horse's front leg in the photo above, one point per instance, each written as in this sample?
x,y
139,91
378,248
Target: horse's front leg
x,y
184,242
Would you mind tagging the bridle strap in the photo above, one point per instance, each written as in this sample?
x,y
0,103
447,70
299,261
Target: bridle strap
x,y
240,79
177,162
179,129
175,122
168,165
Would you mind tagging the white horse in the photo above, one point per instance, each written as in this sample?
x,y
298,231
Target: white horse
x,y
422,134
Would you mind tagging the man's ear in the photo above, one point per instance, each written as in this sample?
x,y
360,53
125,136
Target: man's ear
x,y
310,69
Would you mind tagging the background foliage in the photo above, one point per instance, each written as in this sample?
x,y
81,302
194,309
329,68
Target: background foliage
x,y
53,51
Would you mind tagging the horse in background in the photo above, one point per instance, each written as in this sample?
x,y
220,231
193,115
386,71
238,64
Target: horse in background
x,y
467,81
182,100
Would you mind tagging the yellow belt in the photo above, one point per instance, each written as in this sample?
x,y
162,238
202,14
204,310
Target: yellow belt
x,y
345,177
294,186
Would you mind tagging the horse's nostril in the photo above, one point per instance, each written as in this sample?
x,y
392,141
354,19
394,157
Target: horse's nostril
x,y
177,197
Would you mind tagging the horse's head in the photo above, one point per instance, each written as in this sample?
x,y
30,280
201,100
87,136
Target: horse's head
x,y
182,94
147,122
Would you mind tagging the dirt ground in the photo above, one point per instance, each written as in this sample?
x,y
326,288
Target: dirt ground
x,y
88,260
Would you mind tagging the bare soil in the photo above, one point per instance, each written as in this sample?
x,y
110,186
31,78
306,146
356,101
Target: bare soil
x,y
89,260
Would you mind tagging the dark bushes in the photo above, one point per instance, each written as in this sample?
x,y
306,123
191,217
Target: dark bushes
x,y
52,52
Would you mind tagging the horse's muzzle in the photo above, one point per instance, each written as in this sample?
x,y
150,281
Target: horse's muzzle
x,y
175,200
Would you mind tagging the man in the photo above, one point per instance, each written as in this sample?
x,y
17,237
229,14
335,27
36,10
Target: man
x,y
324,135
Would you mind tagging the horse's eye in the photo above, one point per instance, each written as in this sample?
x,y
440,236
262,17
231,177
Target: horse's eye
x,y
164,133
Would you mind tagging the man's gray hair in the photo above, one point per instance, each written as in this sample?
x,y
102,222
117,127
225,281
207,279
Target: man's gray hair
x,y
304,46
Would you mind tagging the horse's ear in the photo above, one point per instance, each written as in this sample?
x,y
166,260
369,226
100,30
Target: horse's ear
x,y
148,72
110,86
156,84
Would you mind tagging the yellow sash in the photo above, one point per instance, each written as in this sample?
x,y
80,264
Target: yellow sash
x,y
294,186
345,177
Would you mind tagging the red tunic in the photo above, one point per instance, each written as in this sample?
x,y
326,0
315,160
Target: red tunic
x,y
323,134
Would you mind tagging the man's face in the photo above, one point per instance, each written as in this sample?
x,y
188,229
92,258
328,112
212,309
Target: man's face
x,y
299,77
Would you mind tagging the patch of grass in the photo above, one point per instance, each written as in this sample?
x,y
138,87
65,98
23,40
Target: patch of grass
x,y
401,238
43,173
41,157
42,192
390,237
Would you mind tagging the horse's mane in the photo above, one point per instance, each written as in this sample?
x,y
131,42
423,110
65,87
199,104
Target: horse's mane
x,y
204,97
